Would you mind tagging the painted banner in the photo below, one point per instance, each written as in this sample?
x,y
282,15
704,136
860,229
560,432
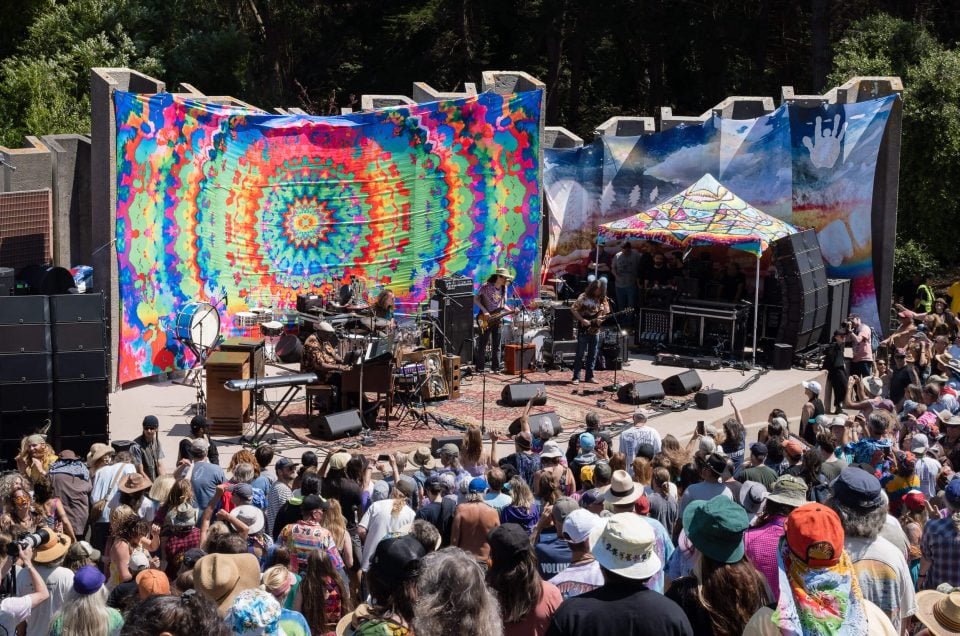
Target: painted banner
x,y
221,203
810,167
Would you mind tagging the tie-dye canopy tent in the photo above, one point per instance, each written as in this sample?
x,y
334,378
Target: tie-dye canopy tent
x,y
705,213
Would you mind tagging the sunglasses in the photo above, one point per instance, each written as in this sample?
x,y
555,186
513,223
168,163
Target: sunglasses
x,y
21,501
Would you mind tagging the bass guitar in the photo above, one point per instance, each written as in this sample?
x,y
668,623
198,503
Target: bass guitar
x,y
595,323
485,322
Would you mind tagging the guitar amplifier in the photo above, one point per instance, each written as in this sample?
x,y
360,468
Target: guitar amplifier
x,y
454,285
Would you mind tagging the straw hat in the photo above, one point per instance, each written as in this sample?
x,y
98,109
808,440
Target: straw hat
x,y
221,577
55,547
423,458
939,612
503,271
623,490
872,385
97,452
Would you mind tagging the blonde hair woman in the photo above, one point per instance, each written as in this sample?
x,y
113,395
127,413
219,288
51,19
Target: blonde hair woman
x,y
278,581
336,523
35,457
85,611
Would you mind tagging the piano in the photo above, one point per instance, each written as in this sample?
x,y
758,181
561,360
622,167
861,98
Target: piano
x,y
377,378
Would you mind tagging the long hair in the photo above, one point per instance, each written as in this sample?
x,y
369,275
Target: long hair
x,y
381,300
617,461
520,493
731,593
86,614
399,501
516,584
161,487
472,445
180,493
244,456
597,289
642,471
453,598
812,461
334,521
321,573
675,454
548,490
121,518
772,509
42,490
733,431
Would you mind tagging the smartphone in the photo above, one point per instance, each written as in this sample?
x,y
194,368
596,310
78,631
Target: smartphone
x,y
383,457
701,430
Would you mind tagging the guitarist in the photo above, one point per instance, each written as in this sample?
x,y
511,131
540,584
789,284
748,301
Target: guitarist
x,y
491,299
589,310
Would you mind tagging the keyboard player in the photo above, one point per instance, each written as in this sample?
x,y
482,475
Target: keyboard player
x,y
321,357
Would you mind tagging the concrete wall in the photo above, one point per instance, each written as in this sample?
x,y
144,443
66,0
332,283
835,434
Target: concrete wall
x,y
103,191
72,222
28,168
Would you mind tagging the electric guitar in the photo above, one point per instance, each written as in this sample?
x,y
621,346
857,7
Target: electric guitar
x,y
595,323
484,322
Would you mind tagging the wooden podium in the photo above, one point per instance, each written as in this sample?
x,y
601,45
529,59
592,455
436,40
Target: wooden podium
x,y
228,409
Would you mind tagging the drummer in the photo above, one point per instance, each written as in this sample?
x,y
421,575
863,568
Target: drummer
x,y
384,307
321,357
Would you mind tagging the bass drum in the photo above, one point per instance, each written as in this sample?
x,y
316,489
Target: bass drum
x,y
198,323
289,349
536,337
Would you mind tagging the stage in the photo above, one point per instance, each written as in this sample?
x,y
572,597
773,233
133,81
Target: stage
x,y
755,392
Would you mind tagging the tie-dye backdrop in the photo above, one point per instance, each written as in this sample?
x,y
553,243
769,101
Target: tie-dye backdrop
x,y
811,167
215,201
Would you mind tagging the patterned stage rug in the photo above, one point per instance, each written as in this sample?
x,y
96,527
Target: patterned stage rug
x,y
448,417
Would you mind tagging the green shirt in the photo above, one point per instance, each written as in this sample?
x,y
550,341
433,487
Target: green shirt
x,y
113,626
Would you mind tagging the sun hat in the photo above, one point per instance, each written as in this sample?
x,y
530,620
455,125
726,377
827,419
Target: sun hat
x,y
139,561
587,441
88,579
423,458
523,439
221,577
626,546
551,450
857,489
623,490
184,516
580,525
752,496
812,385
872,385
503,271
97,452
135,482
250,516
919,444
339,461
508,541
815,535
152,583
715,528
54,548
716,462
68,455
939,612
789,491
937,379
396,560
254,612
478,484
83,550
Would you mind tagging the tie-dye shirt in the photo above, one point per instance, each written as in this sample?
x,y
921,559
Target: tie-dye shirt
x,y
884,576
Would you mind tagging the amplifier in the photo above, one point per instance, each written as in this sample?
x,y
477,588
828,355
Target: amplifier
x,y
254,347
454,286
688,362
306,302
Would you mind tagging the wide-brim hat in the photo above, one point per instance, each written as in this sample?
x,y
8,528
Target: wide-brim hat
x,y
789,491
715,527
55,547
626,545
251,516
503,271
943,358
623,490
221,577
97,452
135,482
873,386
423,458
939,612
954,365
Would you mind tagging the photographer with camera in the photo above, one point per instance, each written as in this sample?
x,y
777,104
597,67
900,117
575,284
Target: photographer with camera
x,y
16,609
49,549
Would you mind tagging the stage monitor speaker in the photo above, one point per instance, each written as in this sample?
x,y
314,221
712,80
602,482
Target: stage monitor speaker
x,y
562,323
78,336
683,383
22,310
540,420
709,399
689,362
337,425
7,281
782,357
647,391
76,308
521,393
25,367
437,442
514,359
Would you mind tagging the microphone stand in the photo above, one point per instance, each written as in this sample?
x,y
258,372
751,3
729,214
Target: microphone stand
x,y
523,315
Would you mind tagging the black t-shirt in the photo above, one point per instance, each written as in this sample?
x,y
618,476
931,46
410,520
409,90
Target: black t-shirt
x,y
606,611
440,515
834,358
729,285
348,493
288,513
660,275
899,381
683,592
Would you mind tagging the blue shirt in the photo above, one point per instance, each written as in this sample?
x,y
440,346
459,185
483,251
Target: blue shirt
x,y
204,479
553,555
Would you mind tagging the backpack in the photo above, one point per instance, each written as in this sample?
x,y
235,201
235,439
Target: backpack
x,y
820,491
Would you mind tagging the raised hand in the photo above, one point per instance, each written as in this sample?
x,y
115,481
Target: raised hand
x,y
824,147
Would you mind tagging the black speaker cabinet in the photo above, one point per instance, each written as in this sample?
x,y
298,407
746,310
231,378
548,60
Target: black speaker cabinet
x,y
336,425
32,338
520,394
82,422
76,308
20,310
456,321
26,396
78,336
306,302
80,365
79,444
562,323
46,279
683,383
25,367
782,357
648,391
23,423
709,399
437,442
75,394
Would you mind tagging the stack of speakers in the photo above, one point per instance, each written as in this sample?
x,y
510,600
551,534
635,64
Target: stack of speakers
x,y
805,296
53,370
454,297
838,291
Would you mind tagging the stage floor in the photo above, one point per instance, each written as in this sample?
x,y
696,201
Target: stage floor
x,y
755,393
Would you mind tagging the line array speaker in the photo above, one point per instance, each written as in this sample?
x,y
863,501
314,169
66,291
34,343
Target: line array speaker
x,y
838,299
804,294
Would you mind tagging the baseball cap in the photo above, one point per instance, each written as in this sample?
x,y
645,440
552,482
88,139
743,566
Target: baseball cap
x,y
562,508
856,488
646,451
139,561
813,386
396,560
199,445
587,441
914,500
243,491
919,444
759,449
602,472
586,473
579,525
815,535
508,541
284,462
907,460
191,556
715,527
793,448
88,580
339,461
198,422
478,484
151,421
152,583
450,449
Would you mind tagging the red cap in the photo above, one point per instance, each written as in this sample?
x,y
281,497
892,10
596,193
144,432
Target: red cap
x,y
815,535
914,501
642,506
793,448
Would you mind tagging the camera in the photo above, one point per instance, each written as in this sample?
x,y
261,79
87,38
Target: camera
x,y
27,540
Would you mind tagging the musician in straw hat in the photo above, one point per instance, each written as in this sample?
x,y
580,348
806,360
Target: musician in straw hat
x,y
491,301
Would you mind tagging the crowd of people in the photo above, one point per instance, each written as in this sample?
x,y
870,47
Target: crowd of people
x,y
838,525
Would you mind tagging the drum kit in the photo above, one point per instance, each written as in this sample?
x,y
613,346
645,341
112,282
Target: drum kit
x,y
533,325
